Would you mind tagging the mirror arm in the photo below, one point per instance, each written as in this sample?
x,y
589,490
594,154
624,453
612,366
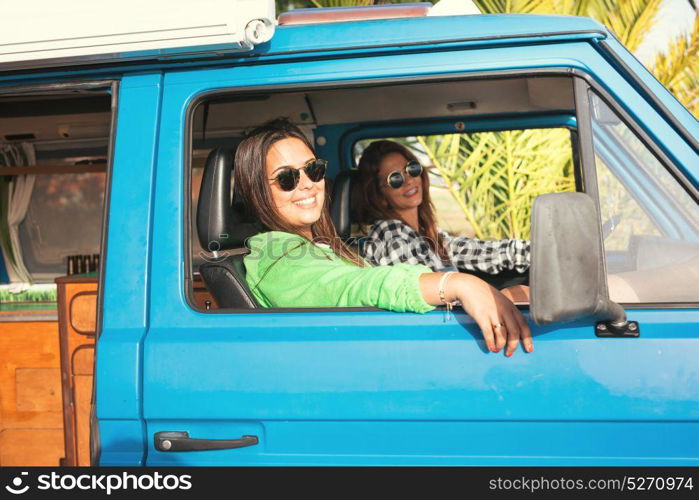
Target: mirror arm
x,y
612,312
612,322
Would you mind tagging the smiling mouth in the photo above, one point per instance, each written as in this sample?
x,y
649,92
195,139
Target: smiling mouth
x,y
410,192
306,202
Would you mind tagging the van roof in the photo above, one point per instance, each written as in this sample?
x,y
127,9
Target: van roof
x,y
426,31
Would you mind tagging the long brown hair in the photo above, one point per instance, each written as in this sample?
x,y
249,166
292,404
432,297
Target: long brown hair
x,y
370,204
251,183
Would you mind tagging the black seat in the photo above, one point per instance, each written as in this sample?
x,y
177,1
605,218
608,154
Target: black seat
x,y
341,201
223,227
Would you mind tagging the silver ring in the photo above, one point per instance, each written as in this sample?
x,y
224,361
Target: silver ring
x,y
499,325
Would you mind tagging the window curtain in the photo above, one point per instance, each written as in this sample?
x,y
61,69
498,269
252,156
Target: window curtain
x,y
15,194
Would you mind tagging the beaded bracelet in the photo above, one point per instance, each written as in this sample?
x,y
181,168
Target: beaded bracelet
x,y
442,293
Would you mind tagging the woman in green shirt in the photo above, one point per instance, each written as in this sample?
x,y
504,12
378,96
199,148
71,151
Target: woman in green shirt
x,y
301,262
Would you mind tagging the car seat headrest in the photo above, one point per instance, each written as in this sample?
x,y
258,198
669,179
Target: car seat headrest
x,y
221,220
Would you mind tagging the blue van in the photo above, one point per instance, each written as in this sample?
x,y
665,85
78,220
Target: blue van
x,y
190,372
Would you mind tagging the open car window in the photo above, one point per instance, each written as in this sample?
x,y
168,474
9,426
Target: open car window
x,y
491,146
650,224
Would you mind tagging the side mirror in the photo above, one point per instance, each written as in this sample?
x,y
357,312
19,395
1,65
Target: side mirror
x,y
567,275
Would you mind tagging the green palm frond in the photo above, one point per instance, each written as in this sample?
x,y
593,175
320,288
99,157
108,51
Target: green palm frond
x,y
678,68
513,6
495,176
629,20
571,7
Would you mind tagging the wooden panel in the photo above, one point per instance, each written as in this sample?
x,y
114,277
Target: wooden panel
x,y
31,427
83,312
36,402
200,298
33,447
77,311
31,345
83,395
34,407
83,360
38,389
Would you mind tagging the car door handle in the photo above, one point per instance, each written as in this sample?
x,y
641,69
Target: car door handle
x,y
180,441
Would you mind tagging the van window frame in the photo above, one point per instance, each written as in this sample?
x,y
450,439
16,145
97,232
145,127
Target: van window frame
x,y
579,78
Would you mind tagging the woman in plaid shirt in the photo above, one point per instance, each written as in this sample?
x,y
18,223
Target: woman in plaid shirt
x,y
395,201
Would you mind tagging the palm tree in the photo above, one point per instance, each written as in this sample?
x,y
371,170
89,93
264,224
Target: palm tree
x,y
495,176
678,69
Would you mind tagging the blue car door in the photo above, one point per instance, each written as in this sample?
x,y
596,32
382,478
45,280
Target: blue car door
x,y
374,387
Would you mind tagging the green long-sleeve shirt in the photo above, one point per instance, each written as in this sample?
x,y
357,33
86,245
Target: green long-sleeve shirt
x,y
287,270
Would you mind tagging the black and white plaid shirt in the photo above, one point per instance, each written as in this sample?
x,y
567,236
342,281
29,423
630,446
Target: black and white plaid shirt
x,y
391,241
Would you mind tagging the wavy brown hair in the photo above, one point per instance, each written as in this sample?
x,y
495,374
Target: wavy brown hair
x,y
251,183
370,204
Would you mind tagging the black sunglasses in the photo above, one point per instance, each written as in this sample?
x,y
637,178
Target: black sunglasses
x,y
288,177
395,179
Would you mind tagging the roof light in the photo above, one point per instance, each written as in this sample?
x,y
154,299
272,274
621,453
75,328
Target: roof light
x,y
339,14
461,106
